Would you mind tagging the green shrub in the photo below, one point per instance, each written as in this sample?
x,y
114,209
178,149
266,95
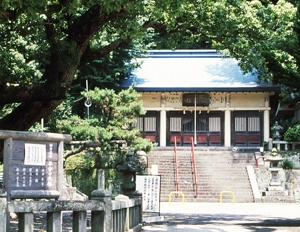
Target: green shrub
x,y
292,134
287,164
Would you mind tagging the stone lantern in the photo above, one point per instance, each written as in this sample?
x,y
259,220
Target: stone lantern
x,y
274,168
129,169
276,131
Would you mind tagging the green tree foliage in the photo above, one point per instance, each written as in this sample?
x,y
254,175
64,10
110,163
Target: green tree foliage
x,y
112,116
48,48
292,134
109,126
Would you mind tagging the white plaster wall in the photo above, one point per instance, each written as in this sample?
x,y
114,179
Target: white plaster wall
x,y
151,100
247,100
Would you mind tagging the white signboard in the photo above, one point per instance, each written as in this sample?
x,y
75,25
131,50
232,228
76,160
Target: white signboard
x,y
35,154
150,187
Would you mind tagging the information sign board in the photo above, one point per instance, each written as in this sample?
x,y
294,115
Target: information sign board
x,y
33,166
149,186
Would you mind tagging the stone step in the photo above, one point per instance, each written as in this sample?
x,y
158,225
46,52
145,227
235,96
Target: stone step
x,y
215,173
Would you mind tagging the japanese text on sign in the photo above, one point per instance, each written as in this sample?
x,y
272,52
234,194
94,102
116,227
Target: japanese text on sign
x,y
35,154
150,187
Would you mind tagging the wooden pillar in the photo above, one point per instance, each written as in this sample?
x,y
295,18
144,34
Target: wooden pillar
x,y
163,128
227,129
266,125
267,119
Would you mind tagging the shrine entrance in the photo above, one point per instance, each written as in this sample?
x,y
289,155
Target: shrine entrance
x,y
209,128
247,129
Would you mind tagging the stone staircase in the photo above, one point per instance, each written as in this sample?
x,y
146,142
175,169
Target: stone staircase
x,y
216,171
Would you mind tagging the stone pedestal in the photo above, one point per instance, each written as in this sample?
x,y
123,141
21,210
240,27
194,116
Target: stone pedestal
x,y
102,219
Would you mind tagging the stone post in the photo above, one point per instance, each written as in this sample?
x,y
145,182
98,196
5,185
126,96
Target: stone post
x,y
270,147
4,218
102,220
125,199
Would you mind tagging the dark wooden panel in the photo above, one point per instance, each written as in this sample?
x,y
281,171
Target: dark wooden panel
x,y
240,139
254,138
215,138
201,138
187,138
172,138
152,138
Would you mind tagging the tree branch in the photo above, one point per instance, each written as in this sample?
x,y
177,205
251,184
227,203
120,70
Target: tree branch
x,y
90,23
157,26
87,144
27,113
9,14
32,92
91,55
84,146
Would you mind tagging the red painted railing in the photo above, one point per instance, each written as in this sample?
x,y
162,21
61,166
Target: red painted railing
x,y
256,160
194,169
176,166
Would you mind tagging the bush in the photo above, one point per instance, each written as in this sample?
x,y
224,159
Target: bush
x,y
292,134
287,164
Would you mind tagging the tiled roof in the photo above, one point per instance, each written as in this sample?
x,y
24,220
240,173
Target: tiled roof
x,y
192,70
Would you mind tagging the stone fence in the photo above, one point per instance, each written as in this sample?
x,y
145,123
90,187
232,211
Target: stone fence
x,y
33,183
281,145
119,215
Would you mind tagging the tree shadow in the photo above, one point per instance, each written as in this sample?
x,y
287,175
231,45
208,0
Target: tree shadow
x,y
249,222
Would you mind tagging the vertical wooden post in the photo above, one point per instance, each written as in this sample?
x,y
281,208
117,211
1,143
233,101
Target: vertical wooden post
x,y
54,222
25,222
79,221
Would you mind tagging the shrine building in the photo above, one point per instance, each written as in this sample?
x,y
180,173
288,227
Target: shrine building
x,y
203,97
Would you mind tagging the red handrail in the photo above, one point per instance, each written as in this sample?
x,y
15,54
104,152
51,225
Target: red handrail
x,y
194,168
176,165
256,160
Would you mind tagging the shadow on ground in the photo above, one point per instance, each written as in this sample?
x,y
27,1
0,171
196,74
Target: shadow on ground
x,y
227,219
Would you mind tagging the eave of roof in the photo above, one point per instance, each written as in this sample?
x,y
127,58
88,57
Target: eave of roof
x,y
195,89
192,71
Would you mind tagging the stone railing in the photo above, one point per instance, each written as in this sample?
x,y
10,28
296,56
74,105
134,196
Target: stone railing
x,y
122,214
281,145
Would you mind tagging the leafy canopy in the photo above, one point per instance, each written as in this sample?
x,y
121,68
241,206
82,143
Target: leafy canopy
x,y
112,116
48,48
